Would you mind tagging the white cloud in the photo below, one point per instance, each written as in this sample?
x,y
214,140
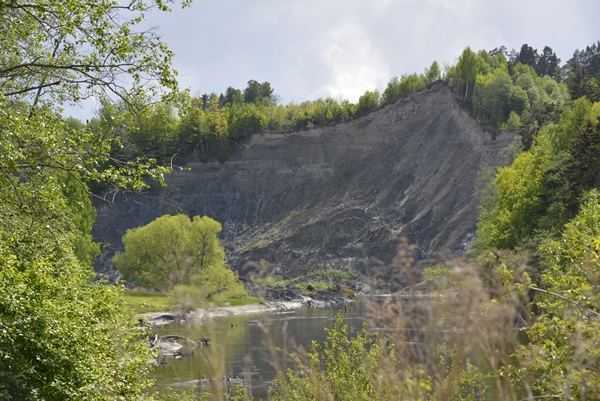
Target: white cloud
x,y
309,49
354,63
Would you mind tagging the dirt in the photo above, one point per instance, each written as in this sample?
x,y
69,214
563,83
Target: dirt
x,y
339,197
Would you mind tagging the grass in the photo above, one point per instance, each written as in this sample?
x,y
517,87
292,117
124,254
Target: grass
x,y
141,301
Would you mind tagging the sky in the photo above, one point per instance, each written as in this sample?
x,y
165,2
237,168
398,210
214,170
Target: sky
x,y
309,49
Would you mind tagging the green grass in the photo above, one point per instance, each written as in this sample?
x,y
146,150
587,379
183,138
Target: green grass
x,y
149,301
141,301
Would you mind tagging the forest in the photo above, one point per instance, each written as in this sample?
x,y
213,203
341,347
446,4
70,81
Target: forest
x,y
64,336
502,90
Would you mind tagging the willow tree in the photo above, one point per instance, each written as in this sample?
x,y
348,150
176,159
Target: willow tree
x,y
176,250
61,336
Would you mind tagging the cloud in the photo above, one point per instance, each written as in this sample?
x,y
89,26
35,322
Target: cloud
x,y
309,49
354,64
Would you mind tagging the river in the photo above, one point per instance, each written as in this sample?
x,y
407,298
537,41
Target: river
x,y
242,347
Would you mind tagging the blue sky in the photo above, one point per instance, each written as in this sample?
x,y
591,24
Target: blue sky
x,y
317,48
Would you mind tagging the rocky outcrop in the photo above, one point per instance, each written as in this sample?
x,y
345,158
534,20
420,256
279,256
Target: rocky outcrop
x,y
334,197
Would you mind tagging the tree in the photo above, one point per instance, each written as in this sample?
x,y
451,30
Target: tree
x,y
492,97
259,92
528,56
589,58
562,356
63,337
542,189
467,68
548,63
232,96
433,72
71,50
174,250
252,91
265,93
368,102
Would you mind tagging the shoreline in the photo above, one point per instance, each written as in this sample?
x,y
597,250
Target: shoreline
x,y
156,319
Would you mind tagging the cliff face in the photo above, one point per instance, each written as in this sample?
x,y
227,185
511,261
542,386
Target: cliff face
x,y
337,197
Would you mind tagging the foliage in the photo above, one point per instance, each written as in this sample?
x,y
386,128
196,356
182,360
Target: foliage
x,y
63,337
466,72
545,64
176,252
444,278
500,90
496,97
547,203
367,102
562,355
141,301
213,125
518,92
69,51
543,186
584,73
504,218
364,367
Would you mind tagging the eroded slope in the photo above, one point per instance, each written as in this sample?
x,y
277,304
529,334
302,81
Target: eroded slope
x,y
336,197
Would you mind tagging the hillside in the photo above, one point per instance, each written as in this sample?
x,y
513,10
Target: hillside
x,y
333,197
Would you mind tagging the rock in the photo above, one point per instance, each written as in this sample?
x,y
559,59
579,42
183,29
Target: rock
x,y
168,348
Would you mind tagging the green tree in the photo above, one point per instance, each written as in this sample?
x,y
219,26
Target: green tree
x,y
575,169
548,63
232,96
542,189
174,250
467,68
252,91
245,120
433,73
155,131
562,357
63,337
527,56
406,84
492,97
71,50
368,102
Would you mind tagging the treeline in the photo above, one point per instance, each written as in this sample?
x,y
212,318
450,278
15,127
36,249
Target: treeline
x,y
502,89
539,229
539,233
211,125
508,92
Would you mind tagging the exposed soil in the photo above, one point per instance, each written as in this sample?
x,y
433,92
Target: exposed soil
x,y
337,197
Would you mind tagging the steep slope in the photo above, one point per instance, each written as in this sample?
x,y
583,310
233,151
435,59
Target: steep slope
x,y
336,197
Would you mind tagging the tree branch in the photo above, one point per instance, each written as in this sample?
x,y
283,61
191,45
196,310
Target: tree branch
x,y
565,299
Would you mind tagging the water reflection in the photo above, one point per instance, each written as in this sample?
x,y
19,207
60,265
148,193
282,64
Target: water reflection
x,y
242,348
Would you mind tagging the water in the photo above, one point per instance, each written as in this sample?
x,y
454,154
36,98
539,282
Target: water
x,y
243,347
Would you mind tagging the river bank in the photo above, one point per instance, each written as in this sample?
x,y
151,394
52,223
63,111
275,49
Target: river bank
x,y
280,299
